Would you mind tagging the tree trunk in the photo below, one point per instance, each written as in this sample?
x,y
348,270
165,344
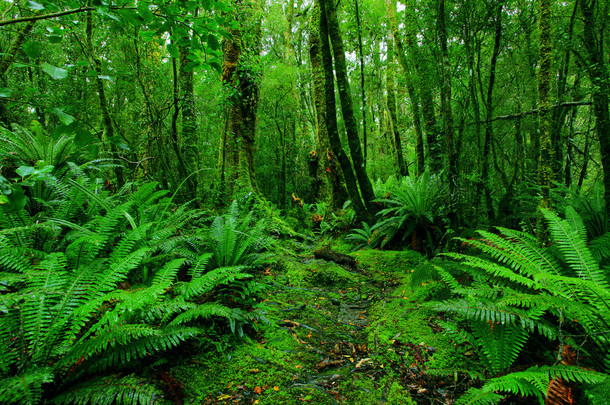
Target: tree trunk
x,y
328,169
413,94
362,90
547,153
485,177
106,119
243,89
446,110
331,120
366,188
598,74
391,92
189,147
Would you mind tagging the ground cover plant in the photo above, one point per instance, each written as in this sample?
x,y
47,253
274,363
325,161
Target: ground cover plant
x,y
330,202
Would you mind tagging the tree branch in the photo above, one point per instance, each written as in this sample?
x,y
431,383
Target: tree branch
x,y
57,14
535,111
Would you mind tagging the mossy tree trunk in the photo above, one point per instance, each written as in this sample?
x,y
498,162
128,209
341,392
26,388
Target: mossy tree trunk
x,y
189,138
329,12
101,92
547,153
411,91
242,86
391,96
489,108
598,73
446,107
331,119
328,168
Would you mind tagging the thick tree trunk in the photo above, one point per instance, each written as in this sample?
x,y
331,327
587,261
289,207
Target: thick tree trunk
x,y
362,89
328,167
331,121
446,108
243,89
366,188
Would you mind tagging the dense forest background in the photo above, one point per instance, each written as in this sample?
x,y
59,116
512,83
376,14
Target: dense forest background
x,y
399,125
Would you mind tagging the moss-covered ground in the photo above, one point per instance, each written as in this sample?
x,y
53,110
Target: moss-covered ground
x,y
335,336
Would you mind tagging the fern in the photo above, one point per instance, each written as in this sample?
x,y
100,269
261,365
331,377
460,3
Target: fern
x,y
532,382
526,289
113,389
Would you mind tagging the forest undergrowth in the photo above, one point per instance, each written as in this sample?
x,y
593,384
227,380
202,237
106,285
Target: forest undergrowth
x,y
126,297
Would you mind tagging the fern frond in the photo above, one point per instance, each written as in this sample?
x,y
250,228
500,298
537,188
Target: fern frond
x,y
600,247
115,389
212,279
571,243
25,388
204,311
476,396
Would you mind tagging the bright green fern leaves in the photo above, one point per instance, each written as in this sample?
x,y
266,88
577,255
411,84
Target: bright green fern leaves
x,y
517,290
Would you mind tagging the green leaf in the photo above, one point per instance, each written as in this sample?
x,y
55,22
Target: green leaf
x,y
17,198
32,5
55,72
104,77
173,50
118,142
55,39
3,199
83,138
213,42
66,119
24,171
144,11
32,49
5,92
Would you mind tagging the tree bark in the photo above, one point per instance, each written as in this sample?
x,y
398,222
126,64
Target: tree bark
x,y
106,119
331,120
243,89
329,169
391,95
547,153
485,177
413,94
598,74
366,188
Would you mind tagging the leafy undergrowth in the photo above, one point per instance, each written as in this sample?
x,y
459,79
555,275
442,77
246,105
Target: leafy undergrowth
x,y
336,336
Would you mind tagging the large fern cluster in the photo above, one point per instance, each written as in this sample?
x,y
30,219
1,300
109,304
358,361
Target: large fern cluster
x,y
521,290
89,290
410,214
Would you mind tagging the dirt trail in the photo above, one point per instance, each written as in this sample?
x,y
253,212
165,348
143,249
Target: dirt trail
x,y
320,346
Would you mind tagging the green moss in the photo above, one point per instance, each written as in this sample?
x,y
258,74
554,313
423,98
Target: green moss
x,y
362,390
329,274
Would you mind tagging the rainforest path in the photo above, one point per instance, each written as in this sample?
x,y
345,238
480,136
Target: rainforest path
x,y
342,333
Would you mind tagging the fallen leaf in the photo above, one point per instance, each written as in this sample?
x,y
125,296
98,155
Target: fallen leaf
x,y
276,388
223,397
254,370
258,389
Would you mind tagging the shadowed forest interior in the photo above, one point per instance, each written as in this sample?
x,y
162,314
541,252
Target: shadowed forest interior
x,y
330,202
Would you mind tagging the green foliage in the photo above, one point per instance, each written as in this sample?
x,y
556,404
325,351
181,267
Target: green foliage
x,y
64,318
236,240
411,215
559,292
